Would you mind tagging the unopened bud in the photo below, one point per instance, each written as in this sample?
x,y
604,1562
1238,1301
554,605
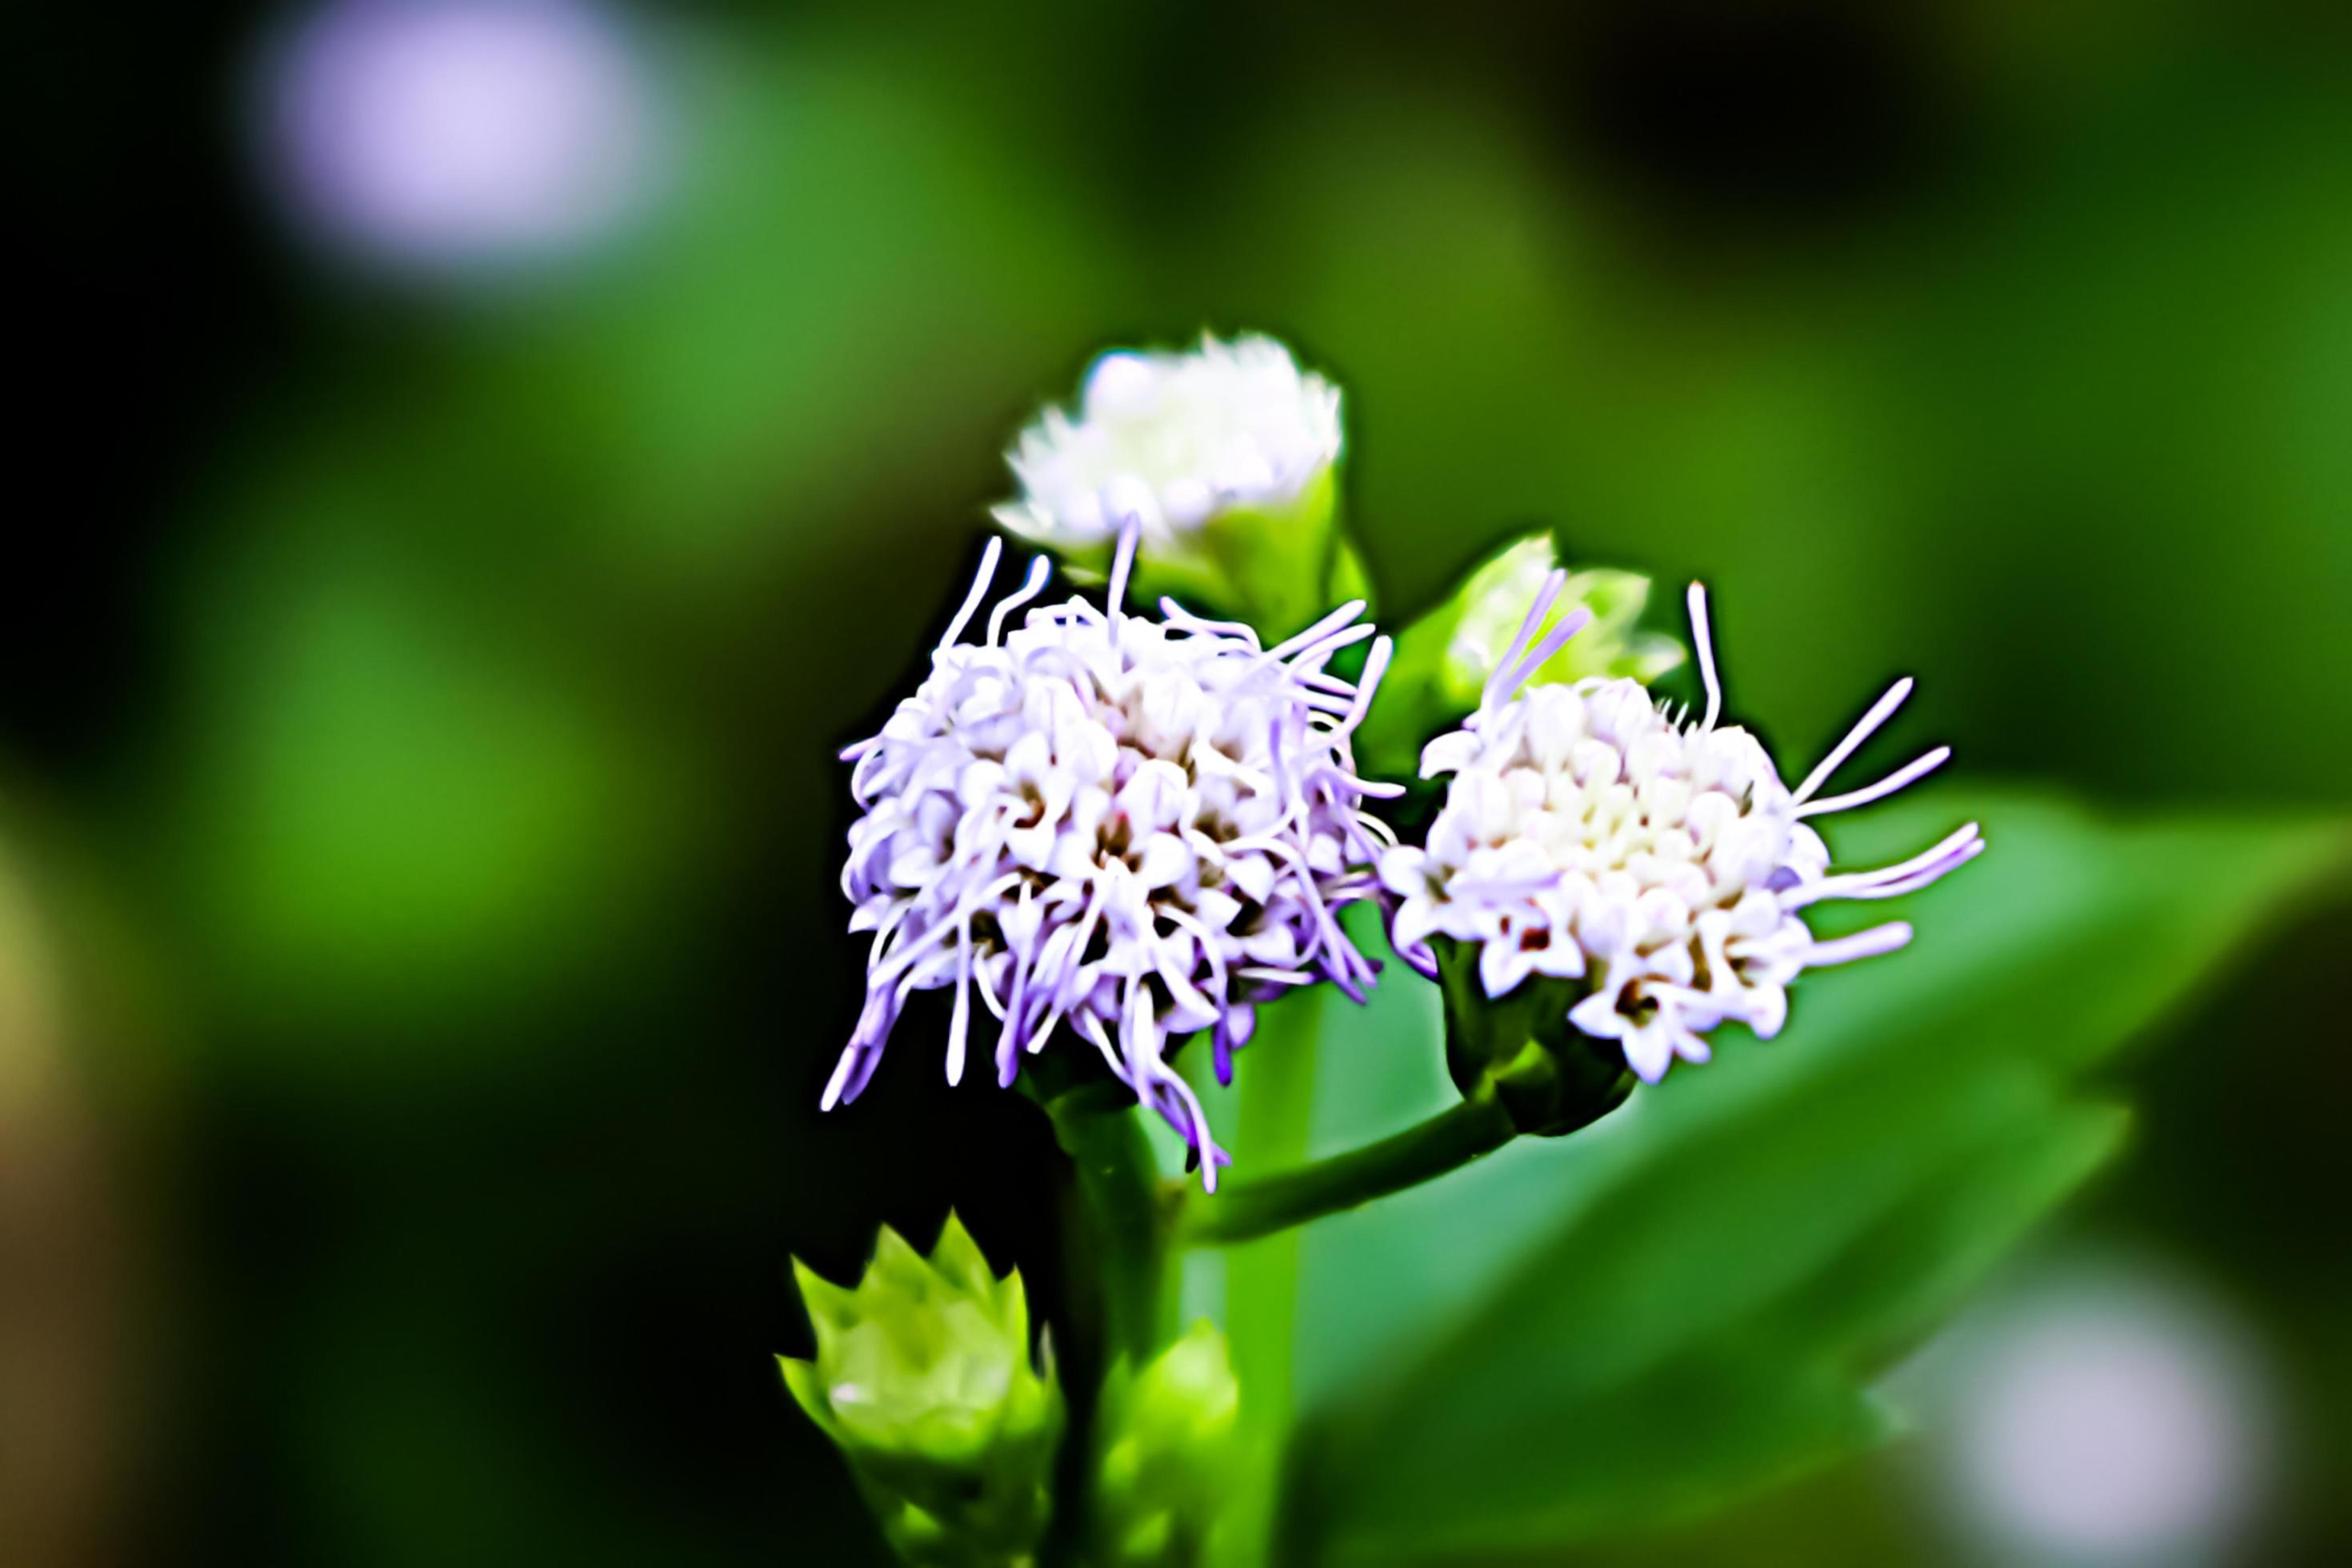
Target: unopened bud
x,y
923,1378
1223,460
1444,659
1168,1454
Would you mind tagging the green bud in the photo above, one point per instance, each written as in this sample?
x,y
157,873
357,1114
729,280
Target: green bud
x,y
923,1378
1168,1454
1551,1077
1444,659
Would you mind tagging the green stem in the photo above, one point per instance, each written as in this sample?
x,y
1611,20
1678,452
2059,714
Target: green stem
x,y
1126,1220
1247,1209
1276,1103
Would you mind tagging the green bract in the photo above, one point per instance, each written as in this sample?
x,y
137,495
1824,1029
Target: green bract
x,y
924,1379
1551,1078
1276,566
1272,565
1168,1454
1444,659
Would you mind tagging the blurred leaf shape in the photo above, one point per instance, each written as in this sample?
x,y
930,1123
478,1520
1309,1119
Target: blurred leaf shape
x,y
27,1005
399,806
849,271
60,1236
1689,1302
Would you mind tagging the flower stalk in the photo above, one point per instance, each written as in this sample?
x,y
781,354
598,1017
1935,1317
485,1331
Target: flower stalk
x,y
1256,1206
1124,1222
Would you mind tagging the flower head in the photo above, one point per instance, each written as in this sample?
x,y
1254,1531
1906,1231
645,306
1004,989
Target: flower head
x,y
1128,829
1222,459
1169,440
1658,867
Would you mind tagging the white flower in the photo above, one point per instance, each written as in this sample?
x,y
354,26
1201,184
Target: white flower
x,y
1170,441
1136,828
1660,866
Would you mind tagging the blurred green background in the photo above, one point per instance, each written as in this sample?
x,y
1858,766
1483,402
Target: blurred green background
x,y
452,568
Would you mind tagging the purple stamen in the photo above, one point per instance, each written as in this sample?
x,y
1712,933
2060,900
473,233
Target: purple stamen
x,y
1880,711
1328,624
1519,674
973,594
1861,944
1035,584
1703,642
1914,768
1554,582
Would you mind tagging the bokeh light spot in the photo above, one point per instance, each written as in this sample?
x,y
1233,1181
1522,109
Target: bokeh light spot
x,y
2107,1416
454,133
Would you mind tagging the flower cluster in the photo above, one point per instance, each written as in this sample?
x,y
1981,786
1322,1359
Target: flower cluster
x,y
1167,441
1591,836
1111,831
1133,828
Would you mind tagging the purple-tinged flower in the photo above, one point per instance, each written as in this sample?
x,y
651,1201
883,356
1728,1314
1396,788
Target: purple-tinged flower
x,y
1659,868
1130,829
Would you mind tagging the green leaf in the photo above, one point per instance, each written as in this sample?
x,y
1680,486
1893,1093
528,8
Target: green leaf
x,y
1688,1301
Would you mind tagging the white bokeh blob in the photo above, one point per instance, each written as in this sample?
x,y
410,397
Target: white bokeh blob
x,y
2109,1416
451,133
